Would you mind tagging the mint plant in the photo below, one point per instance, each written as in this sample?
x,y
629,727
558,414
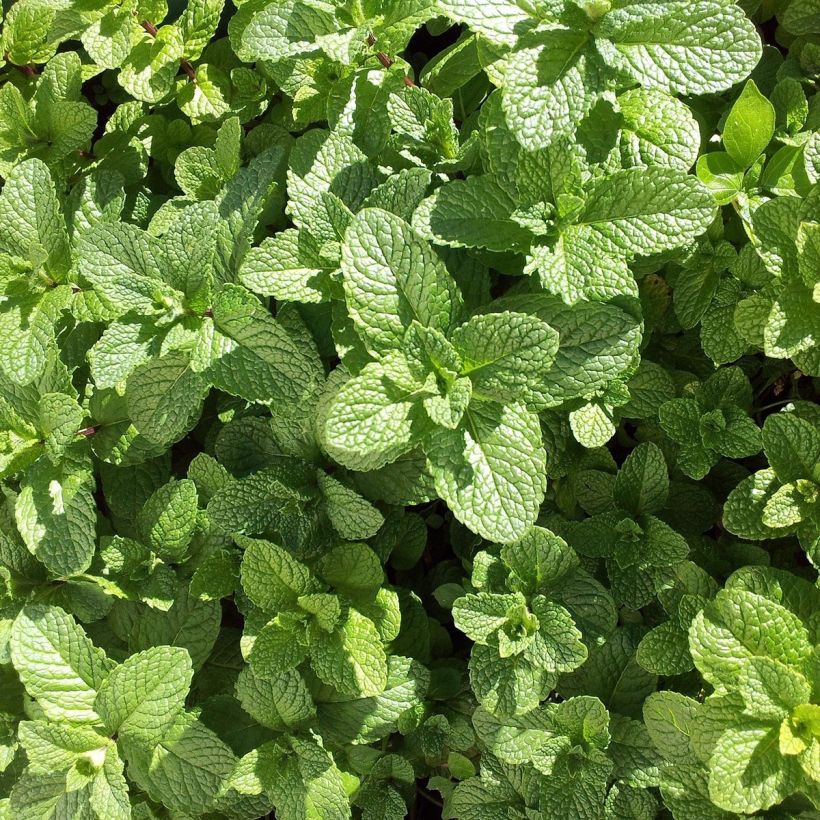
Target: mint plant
x,y
408,410
713,423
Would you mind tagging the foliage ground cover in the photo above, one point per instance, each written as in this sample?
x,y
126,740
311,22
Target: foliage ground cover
x,y
408,409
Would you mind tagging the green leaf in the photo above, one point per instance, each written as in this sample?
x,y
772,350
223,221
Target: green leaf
x,y
540,560
30,219
169,517
351,515
275,649
152,64
500,21
189,622
185,769
721,175
60,420
800,18
271,577
28,328
59,666
104,792
108,39
506,355
792,446
368,719
392,277
658,129
745,508
376,416
279,702
747,770
287,266
351,658
642,483
670,719
771,690
480,616
352,569
251,505
744,625
581,265
287,30
749,126
124,266
57,517
199,23
683,48
507,686
644,211
253,356
53,747
664,650
475,213
165,398
490,469
550,87
592,425
304,783
123,346
141,697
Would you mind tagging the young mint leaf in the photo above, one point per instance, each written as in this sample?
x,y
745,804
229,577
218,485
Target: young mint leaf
x,y
749,126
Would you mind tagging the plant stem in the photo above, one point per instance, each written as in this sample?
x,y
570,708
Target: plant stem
x,y
185,65
387,61
25,70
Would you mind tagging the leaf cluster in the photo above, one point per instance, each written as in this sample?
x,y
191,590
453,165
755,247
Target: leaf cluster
x,y
408,409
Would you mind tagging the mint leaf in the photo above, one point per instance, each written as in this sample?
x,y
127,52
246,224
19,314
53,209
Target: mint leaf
x,y
476,470
59,666
140,698
549,87
392,277
647,211
683,48
749,126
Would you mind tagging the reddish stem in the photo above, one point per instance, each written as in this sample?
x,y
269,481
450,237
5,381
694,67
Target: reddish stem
x,y
188,69
386,61
25,70
185,65
87,431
